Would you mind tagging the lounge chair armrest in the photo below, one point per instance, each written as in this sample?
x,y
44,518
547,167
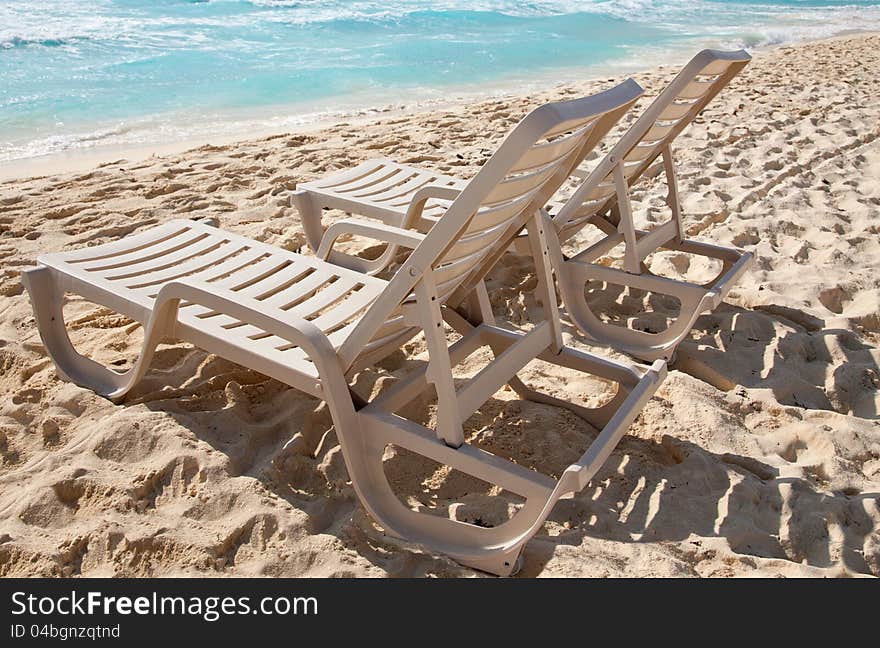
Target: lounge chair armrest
x,y
417,204
374,230
284,324
579,474
443,192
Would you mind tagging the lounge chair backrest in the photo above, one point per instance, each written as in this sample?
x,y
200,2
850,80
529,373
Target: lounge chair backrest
x,y
669,114
481,222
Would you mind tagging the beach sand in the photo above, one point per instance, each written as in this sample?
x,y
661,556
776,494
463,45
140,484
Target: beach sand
x,y
759,455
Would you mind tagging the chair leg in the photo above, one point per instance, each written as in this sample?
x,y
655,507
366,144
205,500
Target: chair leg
x,y
47,299
365,434
478,307
572,274
365,430
495,550
646,346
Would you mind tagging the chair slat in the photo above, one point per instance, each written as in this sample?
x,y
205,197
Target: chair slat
x,y
675,111
479,240
513,187
196,248
547,152
328,294
343,178
695,89
492,216
404,190
195,264
356,301
365,182
659,131
640,151
391,183
140,254
298,292
246,258
716,68
570,125
145,241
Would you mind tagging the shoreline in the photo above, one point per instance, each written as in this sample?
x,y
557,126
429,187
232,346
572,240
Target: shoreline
x,y
80,160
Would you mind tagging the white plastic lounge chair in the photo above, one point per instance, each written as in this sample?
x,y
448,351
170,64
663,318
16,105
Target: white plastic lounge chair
x,y
603,200
311,324
396,194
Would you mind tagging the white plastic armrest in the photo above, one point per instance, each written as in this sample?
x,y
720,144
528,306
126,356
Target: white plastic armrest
x,y
417,204
442,192
374,230
285,325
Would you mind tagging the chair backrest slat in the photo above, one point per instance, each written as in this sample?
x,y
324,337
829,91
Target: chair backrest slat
x,y
697,88
658,131
543,154
511,188
677,110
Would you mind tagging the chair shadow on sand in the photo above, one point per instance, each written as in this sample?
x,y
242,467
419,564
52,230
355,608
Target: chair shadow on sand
x,y
802,364
667,491
775,348
675,491
788,352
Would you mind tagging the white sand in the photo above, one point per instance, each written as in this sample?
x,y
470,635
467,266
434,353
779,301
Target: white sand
x,y
760,455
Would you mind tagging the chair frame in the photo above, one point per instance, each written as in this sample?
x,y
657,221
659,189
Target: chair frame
x,y
365,427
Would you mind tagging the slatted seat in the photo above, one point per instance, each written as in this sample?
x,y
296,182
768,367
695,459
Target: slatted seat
x,y
312,324
130,273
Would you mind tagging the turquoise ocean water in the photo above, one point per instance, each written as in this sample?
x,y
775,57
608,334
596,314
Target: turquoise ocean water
x,y
76,74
